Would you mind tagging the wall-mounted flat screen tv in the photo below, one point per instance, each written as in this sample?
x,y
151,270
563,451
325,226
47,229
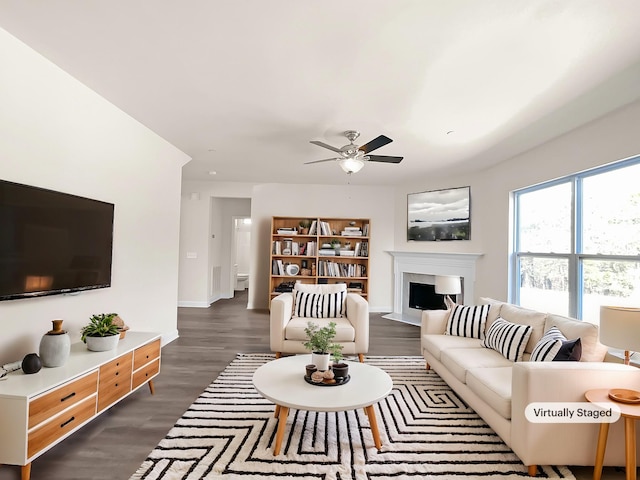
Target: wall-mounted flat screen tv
x,y
52,242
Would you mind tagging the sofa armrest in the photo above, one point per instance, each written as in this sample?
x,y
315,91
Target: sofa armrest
x,y
434,322
281,311
547,443
358,315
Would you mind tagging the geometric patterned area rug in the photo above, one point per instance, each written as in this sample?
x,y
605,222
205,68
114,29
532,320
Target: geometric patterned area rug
x,y
427,432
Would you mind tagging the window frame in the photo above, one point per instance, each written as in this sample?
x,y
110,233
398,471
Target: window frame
x,y
575,256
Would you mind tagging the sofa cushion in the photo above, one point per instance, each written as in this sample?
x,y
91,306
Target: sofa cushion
x,y
436,344
524,316
592,349
508,339
493,385
467,321
459,360
295,328
320,305
570,351
548,346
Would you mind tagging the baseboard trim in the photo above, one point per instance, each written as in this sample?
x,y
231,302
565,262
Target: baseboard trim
x,y
194,304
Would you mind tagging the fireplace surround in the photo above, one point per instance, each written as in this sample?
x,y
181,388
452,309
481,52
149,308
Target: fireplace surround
x,y
423,267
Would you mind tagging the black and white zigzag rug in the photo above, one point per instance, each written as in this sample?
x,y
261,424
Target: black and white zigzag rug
x,y
427,432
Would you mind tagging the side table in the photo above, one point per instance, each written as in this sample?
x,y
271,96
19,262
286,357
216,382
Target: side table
x,y
630,413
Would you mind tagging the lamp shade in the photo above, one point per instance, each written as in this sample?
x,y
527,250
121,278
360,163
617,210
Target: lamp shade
x,y
351,165
620,327
448,285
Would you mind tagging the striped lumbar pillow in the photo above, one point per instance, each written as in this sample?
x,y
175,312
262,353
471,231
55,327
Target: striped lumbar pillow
x,y
508,339
468,321
548,346
320,305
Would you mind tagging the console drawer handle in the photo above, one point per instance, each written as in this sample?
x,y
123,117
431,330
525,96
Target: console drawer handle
x,y
67,422
71,395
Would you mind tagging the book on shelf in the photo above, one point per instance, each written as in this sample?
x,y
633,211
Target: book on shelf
x,y
287,231
327,252
347,253
277,267
313,227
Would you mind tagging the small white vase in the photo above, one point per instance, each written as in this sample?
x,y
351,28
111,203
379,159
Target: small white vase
x,y
102,344
320,360
55,346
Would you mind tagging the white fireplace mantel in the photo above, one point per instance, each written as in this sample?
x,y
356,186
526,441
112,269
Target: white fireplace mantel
x,y
459,264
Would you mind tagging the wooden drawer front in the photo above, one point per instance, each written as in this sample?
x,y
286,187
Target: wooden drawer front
x,y
46,406
146,373
61,425
115,381
146,353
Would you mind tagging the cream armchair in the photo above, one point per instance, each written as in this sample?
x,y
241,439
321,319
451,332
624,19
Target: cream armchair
x,y
287,329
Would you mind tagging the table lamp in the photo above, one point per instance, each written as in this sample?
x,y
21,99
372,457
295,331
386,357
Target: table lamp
x,y
448,285
620,328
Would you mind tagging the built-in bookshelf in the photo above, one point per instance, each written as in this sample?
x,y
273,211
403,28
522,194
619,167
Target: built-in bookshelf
x,y
319,250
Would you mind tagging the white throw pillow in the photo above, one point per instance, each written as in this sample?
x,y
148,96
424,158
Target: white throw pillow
x,y
467,321
548,346
508,339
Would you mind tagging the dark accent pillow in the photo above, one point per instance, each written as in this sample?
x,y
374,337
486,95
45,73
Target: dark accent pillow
x,y
570,351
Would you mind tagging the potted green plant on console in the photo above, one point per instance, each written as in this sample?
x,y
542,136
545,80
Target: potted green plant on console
x,y
101,334
321,344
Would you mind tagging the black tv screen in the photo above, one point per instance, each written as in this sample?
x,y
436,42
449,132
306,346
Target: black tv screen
x,y
52,242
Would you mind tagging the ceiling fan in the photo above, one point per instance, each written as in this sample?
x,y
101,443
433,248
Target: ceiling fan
x,y
352,156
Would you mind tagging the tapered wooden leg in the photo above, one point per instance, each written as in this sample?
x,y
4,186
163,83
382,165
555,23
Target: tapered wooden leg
x,y
277,412
361,357
152,389
428,367
533,470
630,447
278,355
25,472
602,446
373,422
282,424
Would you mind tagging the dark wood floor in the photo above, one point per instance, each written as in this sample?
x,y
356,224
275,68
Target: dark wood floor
x,y
116,443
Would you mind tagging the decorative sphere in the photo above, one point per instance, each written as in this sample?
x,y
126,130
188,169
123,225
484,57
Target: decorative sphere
x,y
31,363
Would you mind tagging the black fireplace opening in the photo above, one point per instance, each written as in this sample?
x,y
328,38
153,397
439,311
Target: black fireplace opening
x,y
423,296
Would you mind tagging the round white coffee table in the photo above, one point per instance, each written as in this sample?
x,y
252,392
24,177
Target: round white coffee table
x,y
282,381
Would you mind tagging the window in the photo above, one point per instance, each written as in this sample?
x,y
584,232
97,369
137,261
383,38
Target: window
x,y
577,242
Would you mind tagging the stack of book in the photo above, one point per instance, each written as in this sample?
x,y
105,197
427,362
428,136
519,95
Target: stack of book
x,y
351,232
287,231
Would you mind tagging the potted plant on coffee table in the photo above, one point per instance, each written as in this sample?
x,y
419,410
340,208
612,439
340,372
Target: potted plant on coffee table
x,y
340,368
101,334
320,343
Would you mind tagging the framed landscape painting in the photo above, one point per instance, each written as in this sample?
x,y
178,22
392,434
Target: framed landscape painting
x,y
439,215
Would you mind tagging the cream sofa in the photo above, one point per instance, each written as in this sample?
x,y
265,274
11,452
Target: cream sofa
x,y
499,390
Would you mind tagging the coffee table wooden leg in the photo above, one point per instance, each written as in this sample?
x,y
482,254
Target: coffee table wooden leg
x,y
602,446
630,447
282,424
277,412
373,422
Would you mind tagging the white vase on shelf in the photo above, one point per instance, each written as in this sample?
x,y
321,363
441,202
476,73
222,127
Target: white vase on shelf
x,y
55,346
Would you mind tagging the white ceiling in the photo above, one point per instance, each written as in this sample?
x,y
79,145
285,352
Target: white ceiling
x,y
242,86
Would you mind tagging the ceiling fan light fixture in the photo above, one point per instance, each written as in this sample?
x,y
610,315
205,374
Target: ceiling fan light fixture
x,y
351,165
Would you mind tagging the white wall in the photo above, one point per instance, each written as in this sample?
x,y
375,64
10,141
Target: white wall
x,y
205,236
376,203
56,133
611,138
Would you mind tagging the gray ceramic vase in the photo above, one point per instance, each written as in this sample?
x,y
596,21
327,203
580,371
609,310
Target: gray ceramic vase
x,y
55,346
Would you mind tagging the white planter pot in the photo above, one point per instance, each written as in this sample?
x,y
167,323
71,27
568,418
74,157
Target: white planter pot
x,y
102,344
320,360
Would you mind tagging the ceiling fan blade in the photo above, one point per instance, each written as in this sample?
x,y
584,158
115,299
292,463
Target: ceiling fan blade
x,y
384,158
378,142
320,161
325,145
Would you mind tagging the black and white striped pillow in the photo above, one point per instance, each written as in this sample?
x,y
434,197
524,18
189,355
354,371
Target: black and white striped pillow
x,y
548,346
508,339
468,321
320,305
